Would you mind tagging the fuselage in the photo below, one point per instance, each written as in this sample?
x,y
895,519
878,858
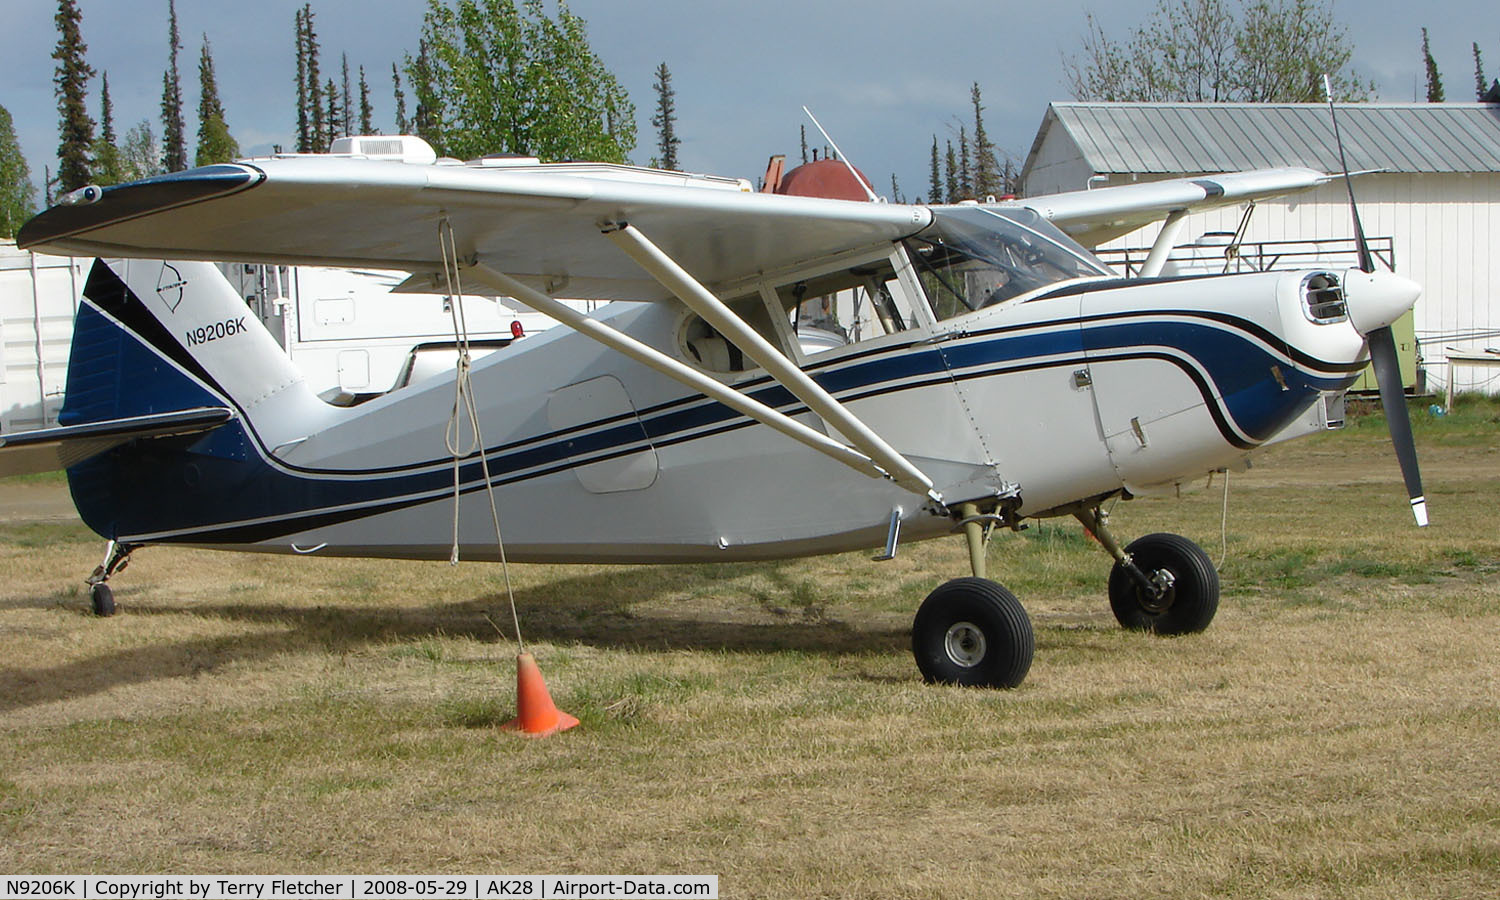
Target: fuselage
x,y
1077,390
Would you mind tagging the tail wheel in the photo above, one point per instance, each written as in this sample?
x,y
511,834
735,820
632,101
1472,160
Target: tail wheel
x,y
102,598
972,631
1188,581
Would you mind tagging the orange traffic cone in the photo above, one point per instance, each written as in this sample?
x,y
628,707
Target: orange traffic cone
x,y
536,715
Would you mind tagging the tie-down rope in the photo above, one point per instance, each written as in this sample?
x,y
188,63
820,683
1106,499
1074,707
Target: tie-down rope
x,y
464,407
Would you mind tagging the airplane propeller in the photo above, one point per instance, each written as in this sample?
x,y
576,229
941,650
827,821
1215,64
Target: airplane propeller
x,y
1374,302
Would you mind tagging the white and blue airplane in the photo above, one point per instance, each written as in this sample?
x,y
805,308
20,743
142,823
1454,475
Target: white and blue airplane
x,y
989,370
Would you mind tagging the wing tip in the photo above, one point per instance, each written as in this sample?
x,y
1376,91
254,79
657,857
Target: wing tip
x,y
123,202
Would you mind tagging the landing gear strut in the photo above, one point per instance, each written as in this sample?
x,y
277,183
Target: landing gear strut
x,y
972,631
1163,583
116,559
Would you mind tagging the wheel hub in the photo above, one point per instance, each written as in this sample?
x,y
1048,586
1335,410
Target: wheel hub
x,y
1161,593
965,644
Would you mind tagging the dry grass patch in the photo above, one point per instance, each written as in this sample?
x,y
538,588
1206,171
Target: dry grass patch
x,y
1331,735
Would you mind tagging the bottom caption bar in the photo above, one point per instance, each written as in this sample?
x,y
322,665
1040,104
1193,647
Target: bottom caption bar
x,y
342,887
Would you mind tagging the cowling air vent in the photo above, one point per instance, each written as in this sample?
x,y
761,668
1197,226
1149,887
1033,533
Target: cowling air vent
x,y
1323,299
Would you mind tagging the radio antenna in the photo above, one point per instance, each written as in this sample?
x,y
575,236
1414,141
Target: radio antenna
x,y
842,158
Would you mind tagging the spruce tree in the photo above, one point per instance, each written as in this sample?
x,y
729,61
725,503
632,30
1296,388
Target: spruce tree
x,y
17,194
965,172
318,128
950,176
935,177
1434,81
1479,84
108,165
215,145
803,130
402,126
335,116
366,126
304,119
174,137
665,120
75,128
986,167
346,98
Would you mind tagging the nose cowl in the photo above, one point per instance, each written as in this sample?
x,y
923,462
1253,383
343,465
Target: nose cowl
x,y
1376,299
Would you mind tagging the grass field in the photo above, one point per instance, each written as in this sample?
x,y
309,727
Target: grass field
x,y
1335,733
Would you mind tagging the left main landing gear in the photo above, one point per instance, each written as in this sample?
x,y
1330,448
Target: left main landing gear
x,y
101,596
972,631
1163,583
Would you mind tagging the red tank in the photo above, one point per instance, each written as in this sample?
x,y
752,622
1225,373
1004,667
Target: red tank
x,y
829,178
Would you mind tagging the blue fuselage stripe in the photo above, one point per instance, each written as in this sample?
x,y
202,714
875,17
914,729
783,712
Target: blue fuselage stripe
x,y
281,499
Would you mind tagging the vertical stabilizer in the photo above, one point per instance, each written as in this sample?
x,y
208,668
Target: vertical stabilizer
x,y
154,336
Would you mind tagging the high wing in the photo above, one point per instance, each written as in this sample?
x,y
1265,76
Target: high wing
x,y
540,223
1093,217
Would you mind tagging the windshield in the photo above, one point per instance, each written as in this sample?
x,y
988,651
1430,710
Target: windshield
x,y
972,257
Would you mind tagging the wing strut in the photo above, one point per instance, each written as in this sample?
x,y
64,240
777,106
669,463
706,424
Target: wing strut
x,y
666,365
701,301
1171,230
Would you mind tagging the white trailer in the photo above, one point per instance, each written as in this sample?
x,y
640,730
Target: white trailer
x,y
344,329
38,296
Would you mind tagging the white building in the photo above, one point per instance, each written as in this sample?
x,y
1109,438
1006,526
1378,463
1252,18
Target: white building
x,y
1433,205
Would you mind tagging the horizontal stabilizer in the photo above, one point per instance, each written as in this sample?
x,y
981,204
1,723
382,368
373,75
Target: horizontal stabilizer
x,y
49,449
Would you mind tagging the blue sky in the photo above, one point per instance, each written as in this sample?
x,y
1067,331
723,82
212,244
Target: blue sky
x,y
883,77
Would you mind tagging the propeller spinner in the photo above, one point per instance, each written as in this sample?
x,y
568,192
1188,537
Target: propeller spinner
x,y
1375,300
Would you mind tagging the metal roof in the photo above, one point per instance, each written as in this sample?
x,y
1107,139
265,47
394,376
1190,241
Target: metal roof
x,y
1187,138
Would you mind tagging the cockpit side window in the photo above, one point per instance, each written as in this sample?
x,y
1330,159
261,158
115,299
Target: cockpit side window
x,y
847,306
974,258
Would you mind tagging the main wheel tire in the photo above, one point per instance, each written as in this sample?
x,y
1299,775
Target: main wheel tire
x,y
103,599
1186,607
972,631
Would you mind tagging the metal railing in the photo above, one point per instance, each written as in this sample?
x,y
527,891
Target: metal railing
x,y
1254,256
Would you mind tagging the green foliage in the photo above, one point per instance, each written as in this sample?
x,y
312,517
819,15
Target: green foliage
x,y
215,145
174,133
1250,51
140,155
75,128
108,164
494,78
17,193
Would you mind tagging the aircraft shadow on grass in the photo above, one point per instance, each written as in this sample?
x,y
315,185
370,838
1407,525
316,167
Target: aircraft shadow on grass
x,y
592,610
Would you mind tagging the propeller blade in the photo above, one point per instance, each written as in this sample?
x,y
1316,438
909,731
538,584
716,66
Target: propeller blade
x,y
1386,297
1398,418
1366,259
